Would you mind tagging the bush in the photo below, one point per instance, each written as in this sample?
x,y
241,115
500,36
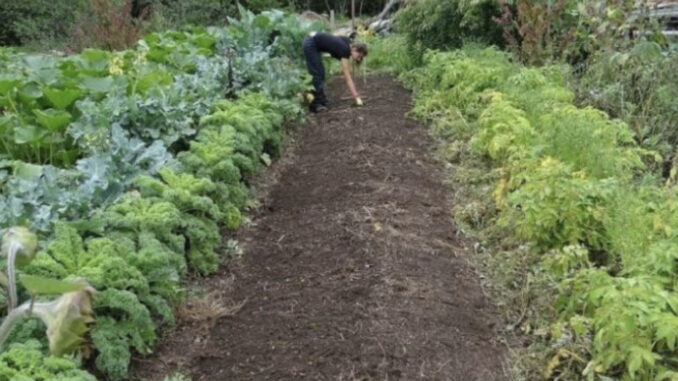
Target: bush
x,y
40,22
537,31
441,24
638,86
557,206
196,12
388,54
109,25
588,228
341,7
541,31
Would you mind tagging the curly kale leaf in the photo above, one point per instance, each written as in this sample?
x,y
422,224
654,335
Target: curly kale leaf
x,y
210,155
101,265
112,343
121,274
137,214
190,194
27,361
203,241
124,322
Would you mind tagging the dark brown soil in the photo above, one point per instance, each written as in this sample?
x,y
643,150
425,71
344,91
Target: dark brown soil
x,y
352,267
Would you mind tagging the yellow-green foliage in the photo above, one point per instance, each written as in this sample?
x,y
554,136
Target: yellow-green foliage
x,y
557,206
589,141
504,131
571,183
26,361
388,55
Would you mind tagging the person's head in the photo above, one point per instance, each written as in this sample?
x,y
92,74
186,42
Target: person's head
x,y
358,52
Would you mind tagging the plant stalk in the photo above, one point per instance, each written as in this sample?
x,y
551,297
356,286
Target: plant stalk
x,y
14,316
30,308
14,248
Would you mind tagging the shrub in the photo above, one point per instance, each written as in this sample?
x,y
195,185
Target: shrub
x,y
637,86
441,24
537,31
196,12
557,206
388,54
41,22
589,141
581,220
108,25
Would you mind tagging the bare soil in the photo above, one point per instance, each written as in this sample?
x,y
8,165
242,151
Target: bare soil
x,y
352,269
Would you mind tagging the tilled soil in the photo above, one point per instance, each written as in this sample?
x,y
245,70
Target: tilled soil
x,y
352,267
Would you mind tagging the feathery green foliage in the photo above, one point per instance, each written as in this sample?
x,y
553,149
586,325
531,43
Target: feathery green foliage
x,y
574,197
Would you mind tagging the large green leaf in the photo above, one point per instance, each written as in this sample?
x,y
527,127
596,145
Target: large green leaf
x,y
26,171
28,134
154,78
53,120
37,285
38,62
97,85
29,94
204,41
7,83
67,156
94,62
47,76
68,323
6,123
158,54
647,51
61,98
262,21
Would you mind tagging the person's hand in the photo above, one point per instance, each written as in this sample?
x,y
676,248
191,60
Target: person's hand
x,y
359,102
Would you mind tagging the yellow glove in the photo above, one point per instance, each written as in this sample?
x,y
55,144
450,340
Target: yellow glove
x,y
359,102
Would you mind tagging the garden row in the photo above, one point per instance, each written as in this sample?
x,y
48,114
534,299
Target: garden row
x,y
129,164
564,200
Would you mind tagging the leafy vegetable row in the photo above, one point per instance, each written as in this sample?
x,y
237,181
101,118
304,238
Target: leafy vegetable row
x,y
75,131
156,208
565,194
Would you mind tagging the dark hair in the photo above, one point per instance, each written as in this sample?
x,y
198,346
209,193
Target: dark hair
x,y
360,48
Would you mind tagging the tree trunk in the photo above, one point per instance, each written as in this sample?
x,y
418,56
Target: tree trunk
x,y
387,9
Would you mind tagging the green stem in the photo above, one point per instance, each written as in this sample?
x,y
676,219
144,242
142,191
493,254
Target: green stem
x,y
14,248
16,111
14,316
18,116
7,149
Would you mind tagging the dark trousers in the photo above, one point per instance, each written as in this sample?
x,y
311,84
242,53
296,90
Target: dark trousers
x,y
314,64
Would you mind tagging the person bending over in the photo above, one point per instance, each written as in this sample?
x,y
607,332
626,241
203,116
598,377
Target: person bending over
x,y
339,48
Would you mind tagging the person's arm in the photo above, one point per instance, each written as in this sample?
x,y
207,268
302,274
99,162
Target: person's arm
x,y
345,65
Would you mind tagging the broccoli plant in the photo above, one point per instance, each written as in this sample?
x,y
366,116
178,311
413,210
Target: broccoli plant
x,y
67,317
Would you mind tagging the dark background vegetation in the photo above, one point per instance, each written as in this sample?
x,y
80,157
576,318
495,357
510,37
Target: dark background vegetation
x,y
74,24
